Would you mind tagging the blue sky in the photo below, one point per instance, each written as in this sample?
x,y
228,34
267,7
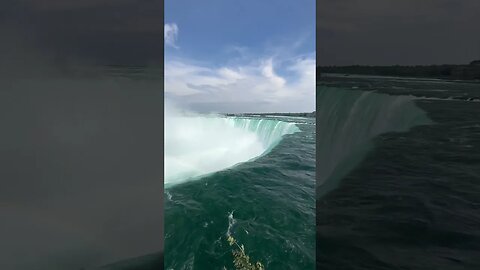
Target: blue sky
x,y
240,56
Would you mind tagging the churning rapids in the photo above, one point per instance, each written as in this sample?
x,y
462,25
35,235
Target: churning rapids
x,y
198,145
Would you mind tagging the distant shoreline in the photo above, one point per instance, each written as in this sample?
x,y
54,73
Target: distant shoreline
x,y
448,72
301,114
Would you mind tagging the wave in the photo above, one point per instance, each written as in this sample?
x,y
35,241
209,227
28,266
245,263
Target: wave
x,y
197,145
347,122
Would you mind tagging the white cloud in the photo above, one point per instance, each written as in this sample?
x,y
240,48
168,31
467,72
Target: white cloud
x,y
269,73
170,34
254,87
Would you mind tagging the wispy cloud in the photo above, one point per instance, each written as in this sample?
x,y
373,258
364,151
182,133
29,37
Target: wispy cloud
x,y
276,80
253,87
171,34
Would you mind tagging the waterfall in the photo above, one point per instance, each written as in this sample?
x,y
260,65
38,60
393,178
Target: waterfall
x,y
197,145
348,120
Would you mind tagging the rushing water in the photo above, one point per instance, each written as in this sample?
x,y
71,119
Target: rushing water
x,y
347,123
251,177
199,145
411,199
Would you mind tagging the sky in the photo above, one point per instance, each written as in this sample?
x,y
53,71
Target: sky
x,y
389,32
124,32
240,56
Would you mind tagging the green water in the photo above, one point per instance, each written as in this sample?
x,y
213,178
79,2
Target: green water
x,y
349,120
412,201
267,204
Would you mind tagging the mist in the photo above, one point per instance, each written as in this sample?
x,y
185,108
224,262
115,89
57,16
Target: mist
x,y
197,144
200,144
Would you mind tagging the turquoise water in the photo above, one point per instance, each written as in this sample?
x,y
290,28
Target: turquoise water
x,y
267,202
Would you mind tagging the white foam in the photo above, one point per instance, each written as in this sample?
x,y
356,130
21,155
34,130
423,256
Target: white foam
x,y
231,222
197,145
